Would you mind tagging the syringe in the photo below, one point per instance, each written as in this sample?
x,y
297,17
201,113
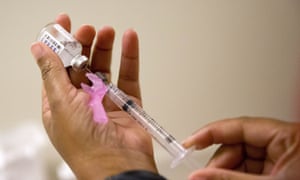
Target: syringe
x,y
69,50
166,140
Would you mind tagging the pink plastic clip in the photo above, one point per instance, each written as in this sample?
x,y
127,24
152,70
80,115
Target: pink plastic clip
x,y
97,92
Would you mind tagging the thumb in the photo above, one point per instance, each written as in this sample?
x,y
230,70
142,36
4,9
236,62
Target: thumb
x,y
222,174
54,75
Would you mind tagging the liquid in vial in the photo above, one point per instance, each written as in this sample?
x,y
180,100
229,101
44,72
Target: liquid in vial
x,y
64,45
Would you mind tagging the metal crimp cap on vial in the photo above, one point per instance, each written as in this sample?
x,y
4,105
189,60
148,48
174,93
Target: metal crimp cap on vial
x,y
79,62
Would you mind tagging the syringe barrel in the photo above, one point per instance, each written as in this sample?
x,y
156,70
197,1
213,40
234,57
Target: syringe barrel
x,y
166,140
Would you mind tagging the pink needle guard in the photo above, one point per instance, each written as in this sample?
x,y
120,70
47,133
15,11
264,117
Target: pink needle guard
x,y
97,92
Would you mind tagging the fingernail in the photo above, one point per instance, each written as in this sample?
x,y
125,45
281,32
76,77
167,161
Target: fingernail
x,y
186,142
37,50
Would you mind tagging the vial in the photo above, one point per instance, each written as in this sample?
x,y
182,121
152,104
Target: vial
x,y
64,45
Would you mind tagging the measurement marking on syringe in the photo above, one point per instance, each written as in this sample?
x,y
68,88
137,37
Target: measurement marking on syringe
x,y
170,138
127,104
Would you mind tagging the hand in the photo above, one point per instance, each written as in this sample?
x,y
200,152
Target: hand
x,y
251,149
93,150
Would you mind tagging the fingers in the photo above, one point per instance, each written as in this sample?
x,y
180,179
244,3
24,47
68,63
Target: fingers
x,y
257,132
85,35
64,20
239,157
129,69
101,58
55,78
227,156
219,174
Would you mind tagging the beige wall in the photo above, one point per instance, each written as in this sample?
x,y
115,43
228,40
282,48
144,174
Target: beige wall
x,y
200,60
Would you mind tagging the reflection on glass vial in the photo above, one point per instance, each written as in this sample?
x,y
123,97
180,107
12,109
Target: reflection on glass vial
x,y
64,45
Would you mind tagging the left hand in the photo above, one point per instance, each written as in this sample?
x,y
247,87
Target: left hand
x,y
93,151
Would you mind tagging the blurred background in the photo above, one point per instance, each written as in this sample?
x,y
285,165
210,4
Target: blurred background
x,y
200,61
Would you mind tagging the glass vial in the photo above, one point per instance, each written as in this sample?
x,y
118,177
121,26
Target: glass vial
x,y
64,45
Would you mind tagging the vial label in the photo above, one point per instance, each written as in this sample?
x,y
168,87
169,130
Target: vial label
x,y
51,42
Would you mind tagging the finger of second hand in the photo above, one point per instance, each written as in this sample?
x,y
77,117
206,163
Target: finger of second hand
x,y
237,130
227,156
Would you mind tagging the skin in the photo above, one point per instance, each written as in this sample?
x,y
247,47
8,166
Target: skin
x,y
93,150
251,149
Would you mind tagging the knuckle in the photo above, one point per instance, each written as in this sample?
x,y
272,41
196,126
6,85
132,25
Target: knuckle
x,y
47,67
45,70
